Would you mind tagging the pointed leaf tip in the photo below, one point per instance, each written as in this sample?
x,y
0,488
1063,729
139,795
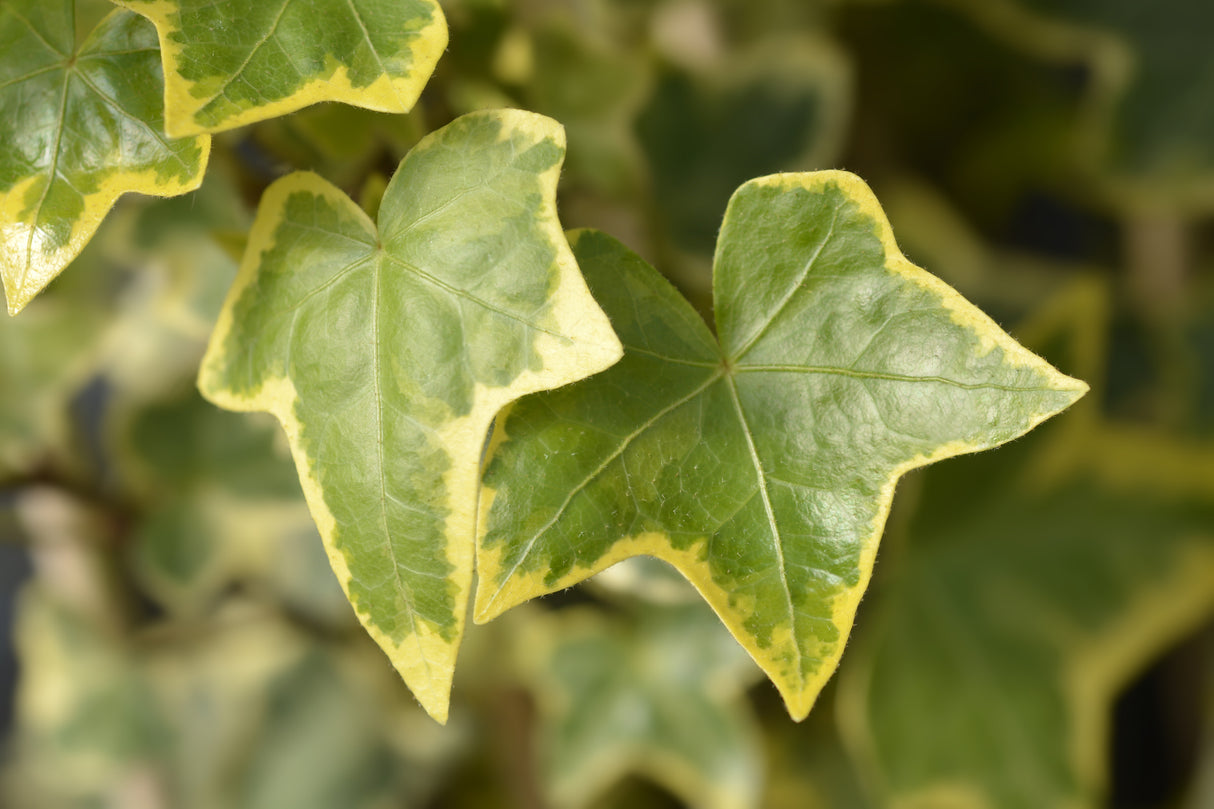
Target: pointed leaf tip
x,y
80,127
386,349
762,465
281,56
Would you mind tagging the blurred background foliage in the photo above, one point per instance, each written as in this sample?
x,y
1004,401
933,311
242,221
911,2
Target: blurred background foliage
x,y
1038,632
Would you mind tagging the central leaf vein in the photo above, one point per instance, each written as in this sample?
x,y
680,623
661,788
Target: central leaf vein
x,y
252,52
776,541
854,374
379,446
371,45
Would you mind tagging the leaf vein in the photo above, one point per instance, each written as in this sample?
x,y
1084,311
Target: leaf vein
x,y
888,377
777,542
792,291
616,453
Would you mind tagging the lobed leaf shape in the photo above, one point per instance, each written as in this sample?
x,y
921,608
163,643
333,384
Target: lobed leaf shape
x,y
81,125
1031,587
762,465
386,351
1150,140
232,62
657,693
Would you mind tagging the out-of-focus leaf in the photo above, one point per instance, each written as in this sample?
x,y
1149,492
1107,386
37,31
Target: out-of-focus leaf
x,y
1033,585
262,718
240,711
87,733
781,107
989,124
232,62
386,352
807,767
44,358
81,125
339,142
222,506
658,695
646,579
1149,123
761,466
178,273
595,91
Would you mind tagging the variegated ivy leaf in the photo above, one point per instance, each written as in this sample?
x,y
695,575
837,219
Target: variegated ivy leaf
x,y
386,351
657,693
232,62
1151,139
80,126
761,465
1031,587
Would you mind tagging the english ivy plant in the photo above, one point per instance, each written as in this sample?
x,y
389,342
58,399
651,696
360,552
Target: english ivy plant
x,y
761,463
478,407
81,125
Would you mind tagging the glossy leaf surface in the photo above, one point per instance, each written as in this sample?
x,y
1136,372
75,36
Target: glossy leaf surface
x,y
1145,126
232,62
1032,586
81,125
762,466
386,351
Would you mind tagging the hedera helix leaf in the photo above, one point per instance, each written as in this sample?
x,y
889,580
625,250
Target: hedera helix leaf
x,y
762,465
657,693
232,62
81,125
1034,585
387,350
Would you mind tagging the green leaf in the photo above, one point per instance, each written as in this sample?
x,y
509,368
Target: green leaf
x,y
594,89
659,695
99,728
81,125
761,467
220,507
45,357
699,134
1151,138
232,62
386,352
1032,587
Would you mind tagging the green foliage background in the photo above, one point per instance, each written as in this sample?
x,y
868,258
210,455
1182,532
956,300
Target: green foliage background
x,y
182,642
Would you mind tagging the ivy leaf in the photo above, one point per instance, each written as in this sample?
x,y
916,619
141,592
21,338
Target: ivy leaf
x,y
1148,137
658,695
386,352
762,466
232,62
80,126
699,137
1033,585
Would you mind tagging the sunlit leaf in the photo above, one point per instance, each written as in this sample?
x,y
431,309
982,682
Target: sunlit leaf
x,y
232,62
762,466
1032,586
386,351
81,125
